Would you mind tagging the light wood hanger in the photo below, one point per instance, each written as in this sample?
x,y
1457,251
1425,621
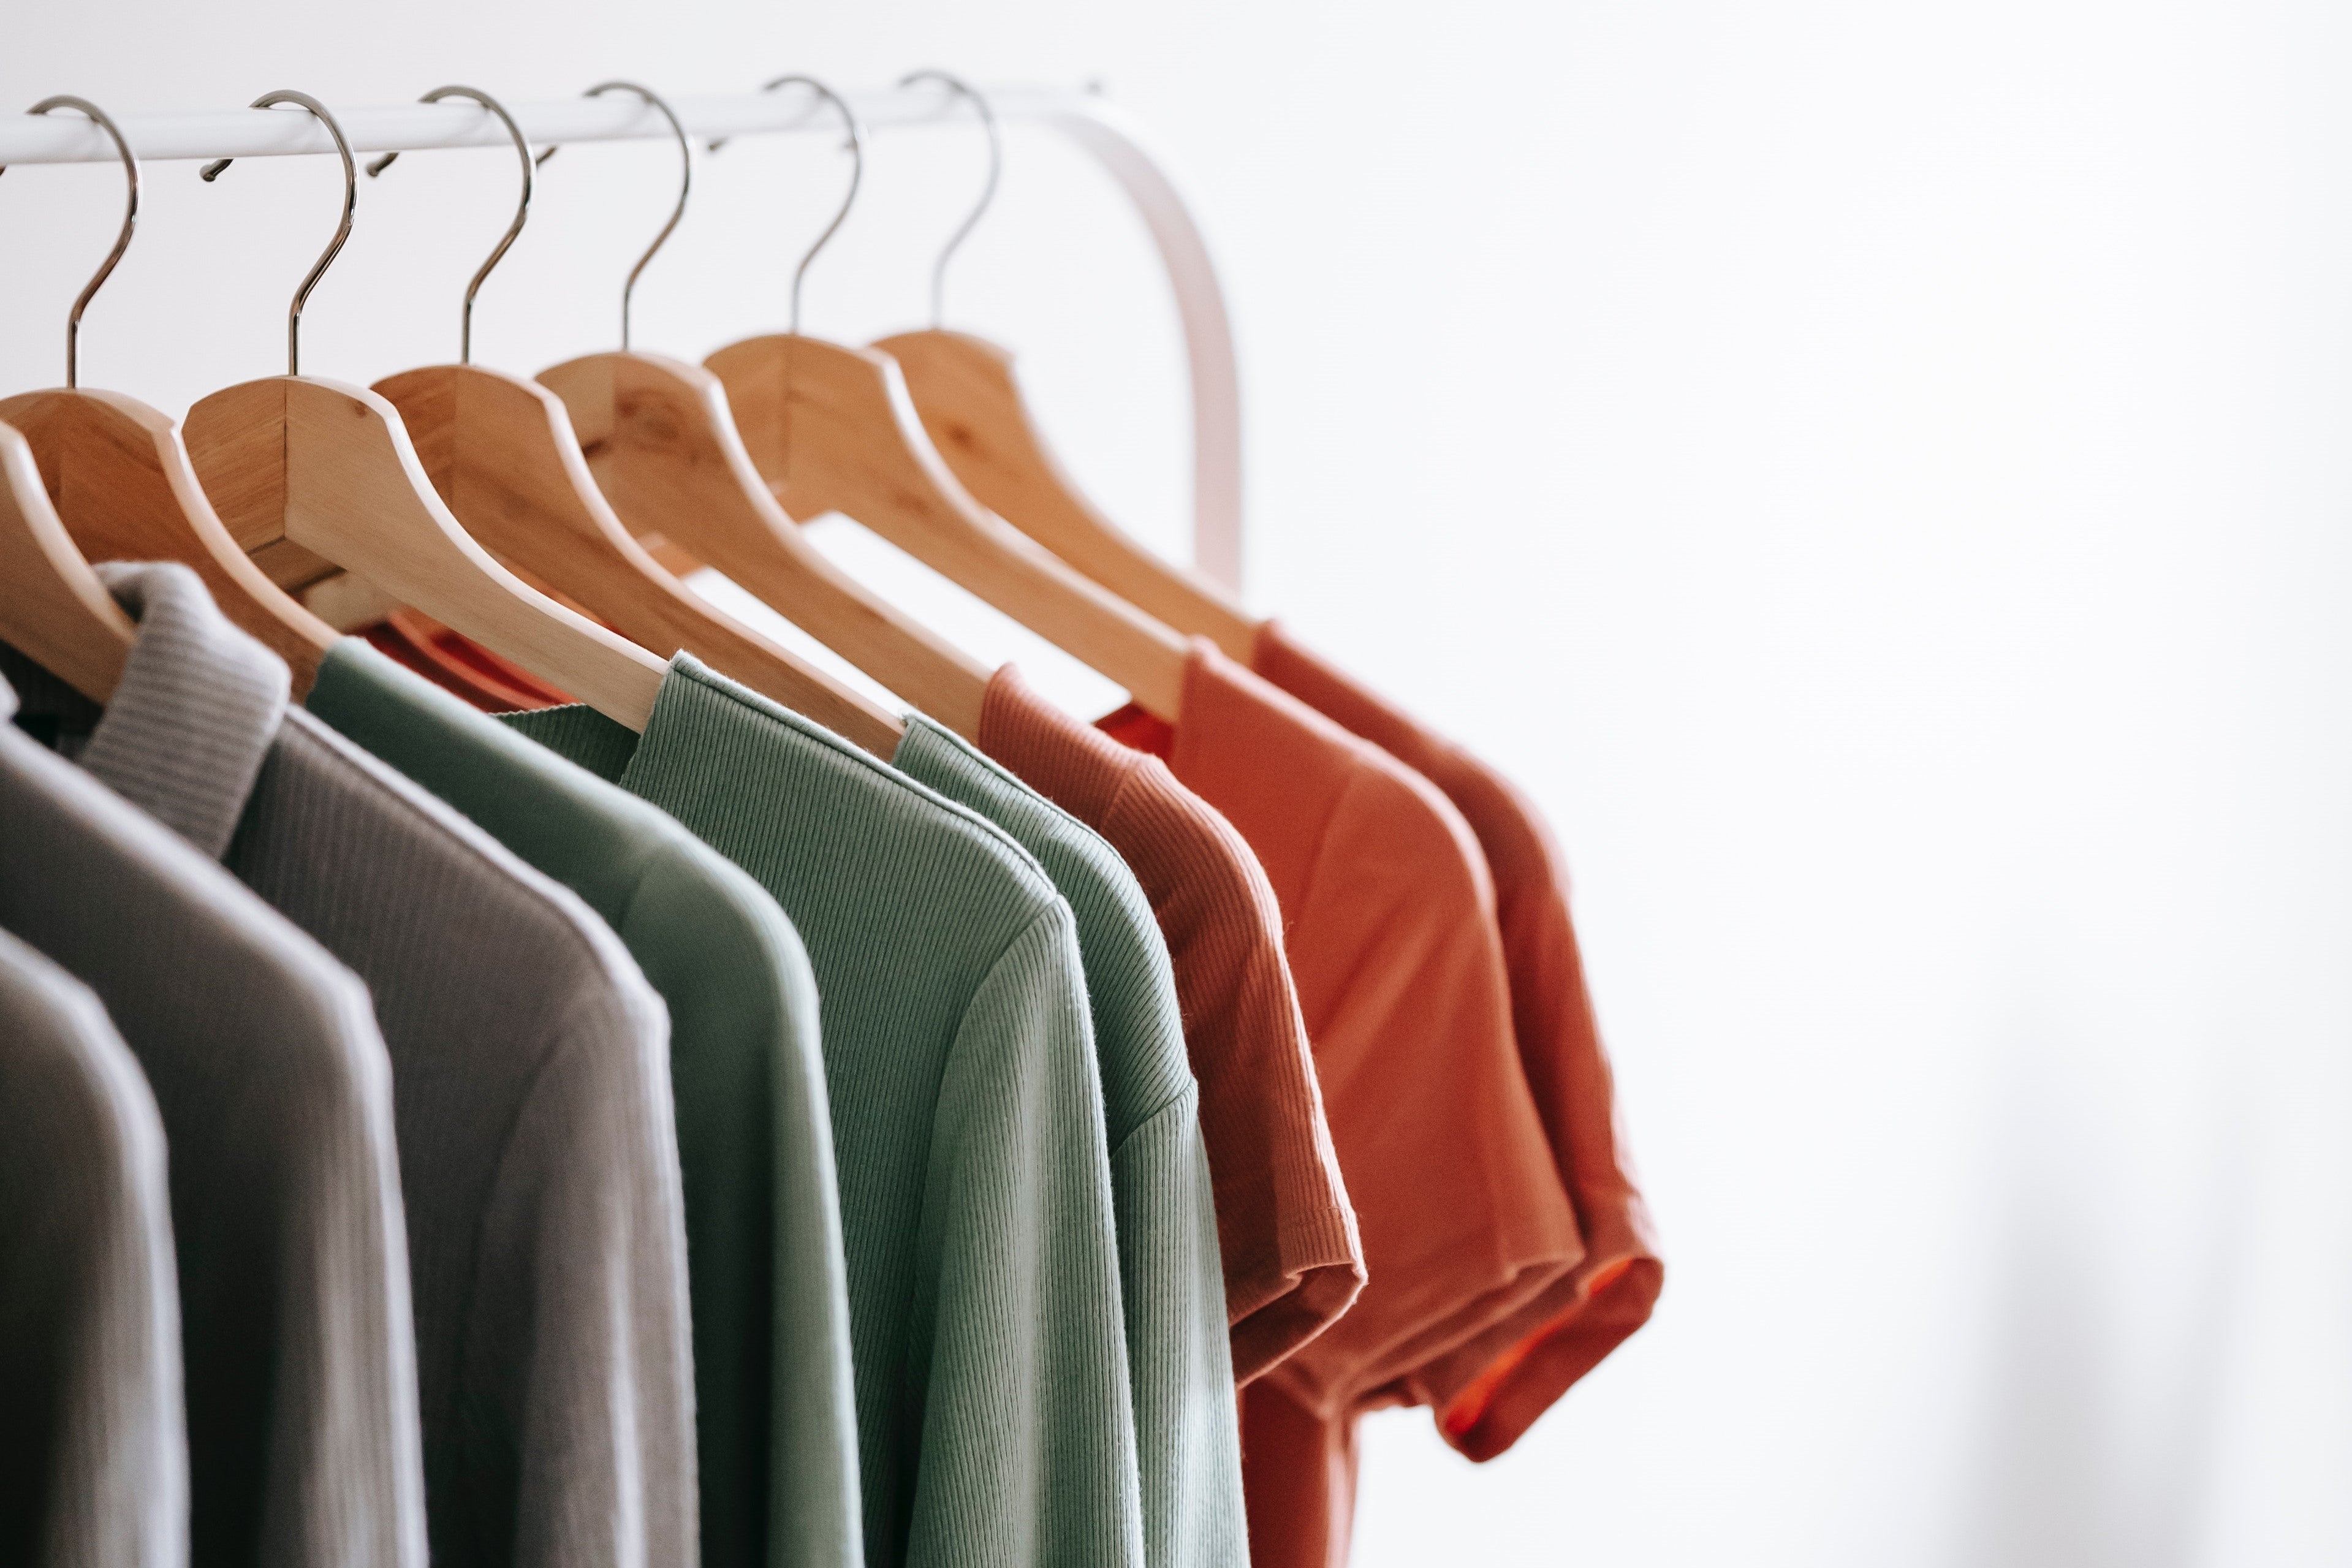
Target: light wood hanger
x,y
501,452
832,429
663,447
119,480
321,467
53,609
971,406
964,391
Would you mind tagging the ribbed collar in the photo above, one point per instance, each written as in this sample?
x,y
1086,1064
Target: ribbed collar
x,y
196,710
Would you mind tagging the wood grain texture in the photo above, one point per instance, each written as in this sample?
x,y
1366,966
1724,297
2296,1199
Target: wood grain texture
x,y
970,402
664,447
347,484
53,609
123,485
501,454
831,430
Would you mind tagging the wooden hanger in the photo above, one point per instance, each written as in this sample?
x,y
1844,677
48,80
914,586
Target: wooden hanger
x,y
501,454
832,429
964,391
297,463
663,448
662,444
971,408
53,609
119,478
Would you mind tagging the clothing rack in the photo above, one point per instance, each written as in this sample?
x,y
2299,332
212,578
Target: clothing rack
x,y
1108,134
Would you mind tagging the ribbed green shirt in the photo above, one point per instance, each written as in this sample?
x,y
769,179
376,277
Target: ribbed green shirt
x,y
773,1417
1171,1284
994,1420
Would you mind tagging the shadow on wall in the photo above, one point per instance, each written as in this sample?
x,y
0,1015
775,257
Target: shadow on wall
x,y
2094,1447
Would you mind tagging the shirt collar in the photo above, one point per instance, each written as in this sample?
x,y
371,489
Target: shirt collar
x,y
195,711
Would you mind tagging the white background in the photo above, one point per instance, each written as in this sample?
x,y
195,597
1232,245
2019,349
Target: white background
x,y
1877,474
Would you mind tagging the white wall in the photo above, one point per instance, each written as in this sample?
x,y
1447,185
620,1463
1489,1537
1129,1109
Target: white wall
x,y
1876,474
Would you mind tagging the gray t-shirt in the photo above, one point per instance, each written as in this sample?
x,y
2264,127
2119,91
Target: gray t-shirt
x,y
275,1099
94,1453
530,1091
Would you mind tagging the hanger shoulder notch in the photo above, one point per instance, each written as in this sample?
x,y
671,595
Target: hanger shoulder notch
x,y
126,490
53,608
350,488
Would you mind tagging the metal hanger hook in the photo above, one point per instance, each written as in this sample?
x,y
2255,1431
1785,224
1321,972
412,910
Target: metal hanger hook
x,y
960,88
857,145
685,184
522,205
212,171
121,240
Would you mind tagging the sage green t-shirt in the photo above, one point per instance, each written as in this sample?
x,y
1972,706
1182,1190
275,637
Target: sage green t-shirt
x,y
775,1422
1172,1284
994,1417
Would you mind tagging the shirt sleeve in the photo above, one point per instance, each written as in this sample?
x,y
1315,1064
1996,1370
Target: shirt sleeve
x,y
1018,1358
1188,1444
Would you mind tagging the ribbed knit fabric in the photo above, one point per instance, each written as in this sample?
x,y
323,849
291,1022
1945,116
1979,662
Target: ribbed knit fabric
x,y
776,1426
94,1451
1188,1431
532,1098
995,1419
1391,934
1490,1389
1291,1257
275,1099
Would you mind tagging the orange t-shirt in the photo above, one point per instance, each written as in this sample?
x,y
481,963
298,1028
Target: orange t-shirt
x,y
1490,1389
460,665
1390,915
1286,1234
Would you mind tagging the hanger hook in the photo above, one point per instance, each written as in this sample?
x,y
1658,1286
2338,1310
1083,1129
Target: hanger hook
x,y
960,89
212,171
121,240
522,205
857,174
685,184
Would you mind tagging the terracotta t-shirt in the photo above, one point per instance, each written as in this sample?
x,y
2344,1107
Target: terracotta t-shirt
x,y
1286,1233
458,665
1390,920
1489,1390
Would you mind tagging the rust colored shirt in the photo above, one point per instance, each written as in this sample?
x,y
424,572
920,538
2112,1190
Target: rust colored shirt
x,y
1390,916
1286,1233
458,665
1490,1389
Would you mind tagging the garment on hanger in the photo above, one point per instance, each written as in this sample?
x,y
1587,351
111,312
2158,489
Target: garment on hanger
x,y
994,1417
1291,1257
530,1090
94,1466
1489,1390
458,665
1389,929
1188,1436
776,1428
276,1100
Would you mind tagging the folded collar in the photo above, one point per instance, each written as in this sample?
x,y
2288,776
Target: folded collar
x,y
194,713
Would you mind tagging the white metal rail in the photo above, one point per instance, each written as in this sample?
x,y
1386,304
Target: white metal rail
x,y
1094,124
